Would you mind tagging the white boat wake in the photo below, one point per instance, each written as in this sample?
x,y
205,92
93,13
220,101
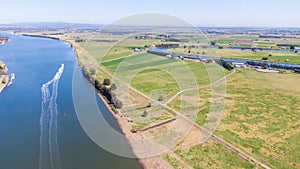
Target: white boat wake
x,y
49,150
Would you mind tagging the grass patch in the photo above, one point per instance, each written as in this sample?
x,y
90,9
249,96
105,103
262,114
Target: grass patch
x,y
212,155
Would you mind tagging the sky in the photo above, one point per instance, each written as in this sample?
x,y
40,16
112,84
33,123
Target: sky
x,y
278,13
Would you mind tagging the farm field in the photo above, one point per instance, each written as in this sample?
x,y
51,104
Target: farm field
x,y
261,110
262,117
207,155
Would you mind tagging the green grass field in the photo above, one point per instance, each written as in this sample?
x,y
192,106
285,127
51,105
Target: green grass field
x,y
208,155
262,117
261,111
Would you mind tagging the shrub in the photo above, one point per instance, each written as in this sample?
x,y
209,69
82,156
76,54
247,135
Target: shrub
x,y
145,114
225,64
113,86
161,98
266,66
118,104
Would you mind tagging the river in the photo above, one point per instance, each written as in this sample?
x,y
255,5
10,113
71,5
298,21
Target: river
x,y
39,127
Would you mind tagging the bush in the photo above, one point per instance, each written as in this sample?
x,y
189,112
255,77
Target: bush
x,y
118,104
145,114
92,71
266,66
225,64
113,87
161,98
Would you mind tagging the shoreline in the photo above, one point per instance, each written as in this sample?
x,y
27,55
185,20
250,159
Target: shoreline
x,y
5,85
147,163
39,36
6,79
156,162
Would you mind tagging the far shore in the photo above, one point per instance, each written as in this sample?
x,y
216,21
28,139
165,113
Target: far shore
x,y
2,87
4,77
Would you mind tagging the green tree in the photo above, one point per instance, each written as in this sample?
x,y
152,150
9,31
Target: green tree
x,y
106,82
225,64
266,66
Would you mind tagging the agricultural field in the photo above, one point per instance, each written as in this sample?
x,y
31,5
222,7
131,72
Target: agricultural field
x,y
261,110
207,155
262,117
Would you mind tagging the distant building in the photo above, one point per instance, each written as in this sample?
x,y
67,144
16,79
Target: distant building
x,y
275,36
238,65
142,37
137,50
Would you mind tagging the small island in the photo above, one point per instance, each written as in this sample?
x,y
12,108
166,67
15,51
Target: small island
x,y
3,76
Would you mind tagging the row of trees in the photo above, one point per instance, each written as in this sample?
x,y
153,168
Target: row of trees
x,y
106,88
225,64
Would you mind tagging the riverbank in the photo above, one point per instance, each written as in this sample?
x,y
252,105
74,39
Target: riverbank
x,y
3,85
156,162
40,36
3,76
125,125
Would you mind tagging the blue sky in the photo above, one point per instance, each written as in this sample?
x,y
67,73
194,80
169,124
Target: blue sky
x,y
197,12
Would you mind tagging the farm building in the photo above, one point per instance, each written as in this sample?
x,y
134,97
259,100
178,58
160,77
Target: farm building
x,y
238,65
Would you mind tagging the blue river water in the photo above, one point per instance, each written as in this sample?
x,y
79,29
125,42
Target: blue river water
x,y
35,61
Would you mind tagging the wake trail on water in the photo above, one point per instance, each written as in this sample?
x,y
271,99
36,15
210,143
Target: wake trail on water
x,y
49,150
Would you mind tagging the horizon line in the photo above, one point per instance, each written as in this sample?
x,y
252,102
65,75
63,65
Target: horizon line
x,y
196,25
